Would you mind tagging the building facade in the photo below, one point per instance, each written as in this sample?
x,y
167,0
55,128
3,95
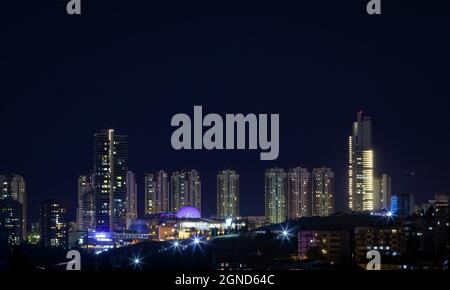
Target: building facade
x,y
228,194
298,193
361,166
156,192
275,195
382,192
11,225
322,192
54,225
13,186
402,204
185,189
110,169
131,197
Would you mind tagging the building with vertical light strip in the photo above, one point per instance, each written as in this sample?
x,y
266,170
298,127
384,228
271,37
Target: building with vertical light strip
x,y
322,192
110,170
361,166
227,194
298,193
275,195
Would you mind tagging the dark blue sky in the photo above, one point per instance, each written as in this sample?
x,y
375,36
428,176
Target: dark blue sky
x,y
132,65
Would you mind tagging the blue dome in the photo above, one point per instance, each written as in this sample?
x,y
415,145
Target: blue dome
x,y
188,212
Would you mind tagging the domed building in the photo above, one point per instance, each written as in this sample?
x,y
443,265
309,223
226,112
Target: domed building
x,y
188,212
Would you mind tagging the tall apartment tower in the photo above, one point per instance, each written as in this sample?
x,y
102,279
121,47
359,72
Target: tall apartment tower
x,y
298,193
54,225
382,192
227,194
322,192
85,203
361,166
131,196
110,170
275,195
13,186
156,192
185,189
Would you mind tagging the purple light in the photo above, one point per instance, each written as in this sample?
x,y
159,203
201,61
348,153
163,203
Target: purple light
x,y
188,212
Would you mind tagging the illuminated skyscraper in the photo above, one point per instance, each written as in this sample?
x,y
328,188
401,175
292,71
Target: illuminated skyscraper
x,y
156,192
299,192
322,192
361,166
227,194
275,195
11,225
185,189
54,225
84,186
110,170
13,186
131,197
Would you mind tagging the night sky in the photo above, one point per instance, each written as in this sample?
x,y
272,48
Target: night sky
x,y
132,65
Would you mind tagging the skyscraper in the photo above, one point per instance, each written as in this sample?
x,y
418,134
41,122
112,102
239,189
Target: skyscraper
x,y
275,195
382,192
185,189
156,192
110,169
131,197
227,194
361,166
322,192
84,185
54,225
298,193
13,186
11,225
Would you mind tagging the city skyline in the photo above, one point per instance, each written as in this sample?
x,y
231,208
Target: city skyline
x,y
314,65
377,194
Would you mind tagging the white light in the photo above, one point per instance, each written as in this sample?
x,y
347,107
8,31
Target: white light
x,y
176,243
196,241
285,233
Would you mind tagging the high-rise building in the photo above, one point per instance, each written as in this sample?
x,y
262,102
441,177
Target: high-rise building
x,y
88,210
298,193
275,195
382,192
361,166
13,186
156,192
54,225
11,225
131,196
227,194
402,204
322,192
110,170
84,186
185,189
